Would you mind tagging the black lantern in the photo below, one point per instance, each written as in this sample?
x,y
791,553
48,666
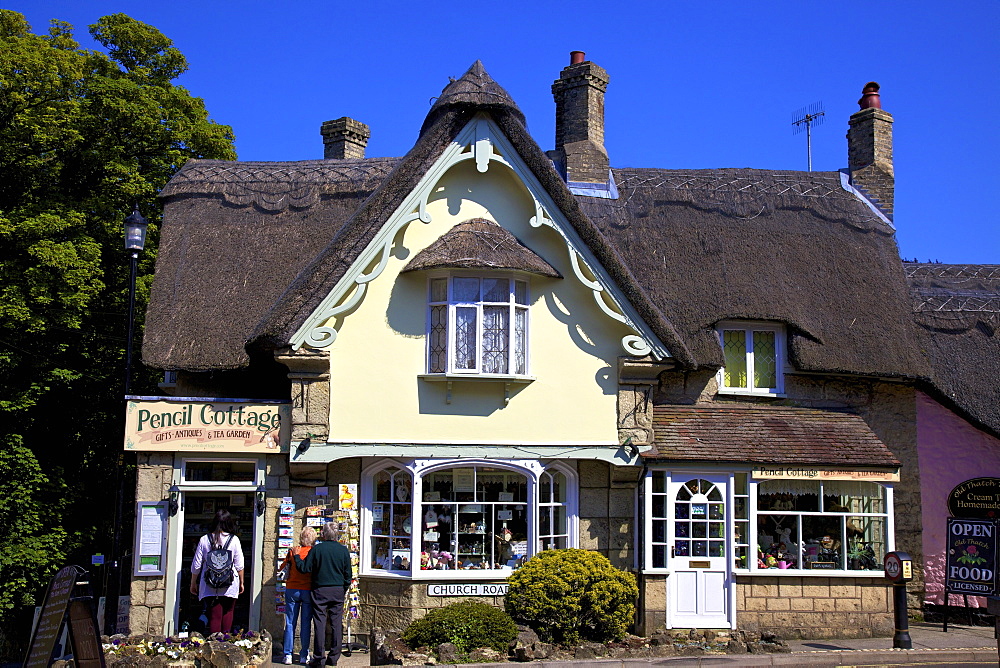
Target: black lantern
x,y
135,230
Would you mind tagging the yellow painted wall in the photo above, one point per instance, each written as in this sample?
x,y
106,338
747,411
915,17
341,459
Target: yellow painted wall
x,y
376,395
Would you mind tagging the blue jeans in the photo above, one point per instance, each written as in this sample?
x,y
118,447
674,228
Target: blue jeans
x,y
295,600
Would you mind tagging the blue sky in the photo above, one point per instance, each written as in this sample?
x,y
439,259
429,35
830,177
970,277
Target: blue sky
x,y
693,85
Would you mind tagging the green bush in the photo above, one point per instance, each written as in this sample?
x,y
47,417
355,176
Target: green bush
x,y
467,625
571,595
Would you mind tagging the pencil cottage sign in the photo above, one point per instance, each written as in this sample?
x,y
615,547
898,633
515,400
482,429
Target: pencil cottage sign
x,y
189,425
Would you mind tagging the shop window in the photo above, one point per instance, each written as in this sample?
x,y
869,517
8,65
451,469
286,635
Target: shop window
x,y
753,359
392,521
477,325
821,525
468,518
776,525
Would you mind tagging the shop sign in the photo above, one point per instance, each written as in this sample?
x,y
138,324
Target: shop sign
x,y
978,498
815,473
188,425
467,589
972,557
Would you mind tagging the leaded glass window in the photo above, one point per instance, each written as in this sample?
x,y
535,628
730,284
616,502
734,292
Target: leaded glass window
x,y
753,356
478,326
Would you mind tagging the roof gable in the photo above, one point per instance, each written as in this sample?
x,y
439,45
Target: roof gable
x,y
483,143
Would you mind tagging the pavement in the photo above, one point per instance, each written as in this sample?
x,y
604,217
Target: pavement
x,y
960,646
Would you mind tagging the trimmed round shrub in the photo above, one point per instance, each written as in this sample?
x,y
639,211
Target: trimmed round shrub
x,y
571,595
467,625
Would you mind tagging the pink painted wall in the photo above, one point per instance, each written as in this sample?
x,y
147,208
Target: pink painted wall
x,y
951,451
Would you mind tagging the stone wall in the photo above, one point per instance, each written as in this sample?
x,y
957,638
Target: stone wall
x,y
153,478
607,510
815,607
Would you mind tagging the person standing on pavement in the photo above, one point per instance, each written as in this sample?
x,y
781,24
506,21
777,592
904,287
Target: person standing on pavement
x,y
330,565
298,598
219,602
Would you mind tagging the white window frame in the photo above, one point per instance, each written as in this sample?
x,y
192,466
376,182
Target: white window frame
x,y
452,304
780,363
419,468
750,523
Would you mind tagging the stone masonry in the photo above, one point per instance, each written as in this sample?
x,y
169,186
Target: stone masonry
x,y
579,95
153,480
869,154
815,607
344,138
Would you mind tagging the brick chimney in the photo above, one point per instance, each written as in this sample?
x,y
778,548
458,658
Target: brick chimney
x,y
869,149
344,138
579,94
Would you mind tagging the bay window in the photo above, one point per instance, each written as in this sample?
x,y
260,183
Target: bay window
x,y
477,325
469,517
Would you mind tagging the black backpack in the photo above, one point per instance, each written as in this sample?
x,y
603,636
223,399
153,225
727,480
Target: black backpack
x,y
218,569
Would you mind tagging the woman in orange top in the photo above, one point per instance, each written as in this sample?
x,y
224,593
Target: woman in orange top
x,y
298,592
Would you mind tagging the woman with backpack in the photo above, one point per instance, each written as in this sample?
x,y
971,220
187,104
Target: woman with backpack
x,y
217,571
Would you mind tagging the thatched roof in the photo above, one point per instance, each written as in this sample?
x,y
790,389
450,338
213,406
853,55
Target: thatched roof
x,y
212,300
249,250
957,312
766,434
234,236
792,247
459,102
480,244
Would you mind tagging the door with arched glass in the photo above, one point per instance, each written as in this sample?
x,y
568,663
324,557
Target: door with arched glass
x,y
699,585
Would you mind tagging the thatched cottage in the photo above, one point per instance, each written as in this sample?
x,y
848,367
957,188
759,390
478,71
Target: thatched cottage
x,y
713,377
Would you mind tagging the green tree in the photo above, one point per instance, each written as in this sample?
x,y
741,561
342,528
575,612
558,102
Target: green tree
x,y
84,135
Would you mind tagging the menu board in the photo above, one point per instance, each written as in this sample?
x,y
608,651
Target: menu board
x,y
150,538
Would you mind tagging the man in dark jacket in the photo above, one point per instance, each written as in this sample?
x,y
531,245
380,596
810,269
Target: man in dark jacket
x,y
330,565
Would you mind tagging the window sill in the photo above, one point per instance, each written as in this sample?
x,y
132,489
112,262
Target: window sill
x,y
506,379
752,393
470,574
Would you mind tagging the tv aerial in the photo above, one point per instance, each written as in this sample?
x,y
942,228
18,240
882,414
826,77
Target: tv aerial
x,y
805,118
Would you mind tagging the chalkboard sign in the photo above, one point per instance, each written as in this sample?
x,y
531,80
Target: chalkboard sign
x,y
970,566
978,498
43,641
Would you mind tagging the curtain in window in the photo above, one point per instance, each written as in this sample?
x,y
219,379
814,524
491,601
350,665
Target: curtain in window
x,y
496,334
465,337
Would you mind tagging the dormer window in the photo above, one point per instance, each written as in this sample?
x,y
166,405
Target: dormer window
x,y
478,325
754,358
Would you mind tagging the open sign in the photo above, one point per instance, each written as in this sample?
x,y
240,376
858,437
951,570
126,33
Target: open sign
x,y
971,562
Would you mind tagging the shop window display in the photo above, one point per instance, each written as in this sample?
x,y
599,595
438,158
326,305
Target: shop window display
x,y
474,518
392,521
465,517
793,524
835,525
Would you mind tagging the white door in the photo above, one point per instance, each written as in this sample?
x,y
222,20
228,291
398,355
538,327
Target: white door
x,y
699,585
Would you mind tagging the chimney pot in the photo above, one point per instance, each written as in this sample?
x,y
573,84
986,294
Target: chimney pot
x,y
344,138
870,98
577,57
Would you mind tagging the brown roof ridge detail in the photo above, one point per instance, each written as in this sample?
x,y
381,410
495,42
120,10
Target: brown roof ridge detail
x,y
480,244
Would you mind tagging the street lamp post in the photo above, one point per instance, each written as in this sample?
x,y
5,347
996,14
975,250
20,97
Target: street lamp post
x,y
135,241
